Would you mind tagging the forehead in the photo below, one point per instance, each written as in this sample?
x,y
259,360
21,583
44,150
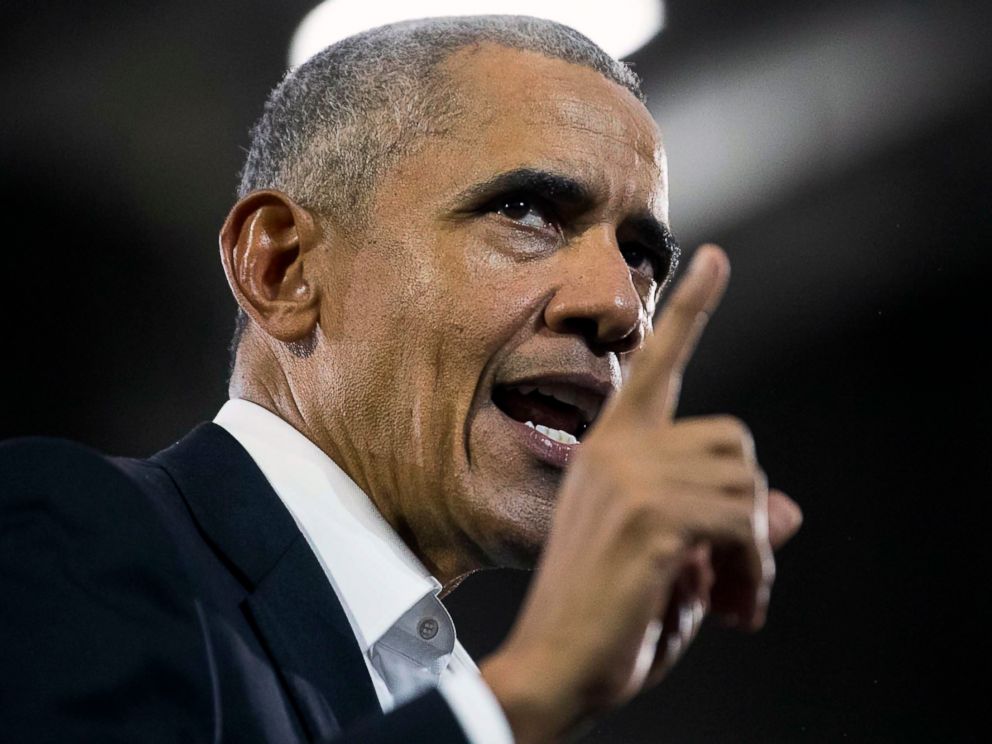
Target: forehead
x,y
522,109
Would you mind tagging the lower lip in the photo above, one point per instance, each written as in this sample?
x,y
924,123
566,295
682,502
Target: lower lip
x,y
547,450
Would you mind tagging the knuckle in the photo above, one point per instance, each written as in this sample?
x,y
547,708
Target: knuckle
x,y
735,432
667,547
642,515
654,524
732,427
742,478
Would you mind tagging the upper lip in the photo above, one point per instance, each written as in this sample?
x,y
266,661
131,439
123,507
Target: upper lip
x,y
592,389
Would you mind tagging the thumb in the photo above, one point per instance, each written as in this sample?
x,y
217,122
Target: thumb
x,y
784,518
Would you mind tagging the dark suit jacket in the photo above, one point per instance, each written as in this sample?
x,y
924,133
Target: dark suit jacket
x,y
174,600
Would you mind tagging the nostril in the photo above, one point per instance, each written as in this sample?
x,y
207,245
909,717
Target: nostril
x,y
601,335
588,328
629,341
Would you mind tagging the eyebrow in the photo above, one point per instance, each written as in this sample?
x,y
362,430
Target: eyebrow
x,y
555,186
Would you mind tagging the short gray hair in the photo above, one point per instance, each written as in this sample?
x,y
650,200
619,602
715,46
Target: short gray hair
x,y
336,123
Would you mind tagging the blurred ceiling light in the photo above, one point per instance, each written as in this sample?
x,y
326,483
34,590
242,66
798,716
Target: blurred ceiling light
x,y
621,27
792,104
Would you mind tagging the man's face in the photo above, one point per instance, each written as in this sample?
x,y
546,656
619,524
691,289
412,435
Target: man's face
x,y
507,270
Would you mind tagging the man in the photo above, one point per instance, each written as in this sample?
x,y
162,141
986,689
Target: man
x,y
450,240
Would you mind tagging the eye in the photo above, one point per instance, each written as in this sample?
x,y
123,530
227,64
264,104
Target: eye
x,y
644,261
525,210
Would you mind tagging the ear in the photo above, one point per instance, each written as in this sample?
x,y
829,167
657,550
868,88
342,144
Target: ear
x,y
265,246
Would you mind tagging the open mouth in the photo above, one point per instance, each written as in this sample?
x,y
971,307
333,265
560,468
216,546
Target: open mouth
x,y
561,411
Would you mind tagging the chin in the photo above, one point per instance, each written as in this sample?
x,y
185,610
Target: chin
x,y
510,522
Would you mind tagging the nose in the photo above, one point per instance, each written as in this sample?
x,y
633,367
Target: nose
x,y
596,297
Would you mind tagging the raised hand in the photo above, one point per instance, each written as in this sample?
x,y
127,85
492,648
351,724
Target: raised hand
x,y
658,522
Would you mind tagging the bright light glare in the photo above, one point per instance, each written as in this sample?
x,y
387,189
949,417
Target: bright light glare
x,y
619,26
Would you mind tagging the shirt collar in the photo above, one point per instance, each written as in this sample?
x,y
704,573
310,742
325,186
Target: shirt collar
x,y
375,575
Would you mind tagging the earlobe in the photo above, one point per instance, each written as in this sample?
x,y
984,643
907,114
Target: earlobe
x,y
265,246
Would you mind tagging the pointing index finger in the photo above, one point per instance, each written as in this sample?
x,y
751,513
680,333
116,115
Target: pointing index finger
x,y
656,377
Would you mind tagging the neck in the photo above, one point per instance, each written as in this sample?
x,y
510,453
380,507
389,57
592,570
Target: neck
x,y
272,387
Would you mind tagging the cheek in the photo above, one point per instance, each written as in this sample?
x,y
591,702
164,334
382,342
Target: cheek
x,y
423,332
503,281
392,296
469,300
412,332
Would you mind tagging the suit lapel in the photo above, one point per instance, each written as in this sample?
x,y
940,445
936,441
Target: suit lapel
x,y
290,602
315,669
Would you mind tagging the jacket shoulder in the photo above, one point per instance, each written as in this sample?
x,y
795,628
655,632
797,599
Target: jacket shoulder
x,y
46,476
34,462
98,609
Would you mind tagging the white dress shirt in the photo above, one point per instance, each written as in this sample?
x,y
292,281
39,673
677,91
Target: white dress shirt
x,y
406,635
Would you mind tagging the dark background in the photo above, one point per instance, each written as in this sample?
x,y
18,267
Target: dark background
x,y
840,152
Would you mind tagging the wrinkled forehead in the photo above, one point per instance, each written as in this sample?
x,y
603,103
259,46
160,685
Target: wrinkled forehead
x,y
522,109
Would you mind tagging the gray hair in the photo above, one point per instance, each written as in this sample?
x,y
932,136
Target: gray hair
x,y
336,123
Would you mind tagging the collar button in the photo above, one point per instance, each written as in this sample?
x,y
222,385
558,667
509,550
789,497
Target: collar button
x,y
427,628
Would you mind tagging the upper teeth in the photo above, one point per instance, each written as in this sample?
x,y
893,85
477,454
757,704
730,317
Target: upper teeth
x,y
557,434
586,401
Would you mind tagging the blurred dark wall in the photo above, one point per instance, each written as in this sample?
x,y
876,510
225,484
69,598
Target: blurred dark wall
x,y
122,134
